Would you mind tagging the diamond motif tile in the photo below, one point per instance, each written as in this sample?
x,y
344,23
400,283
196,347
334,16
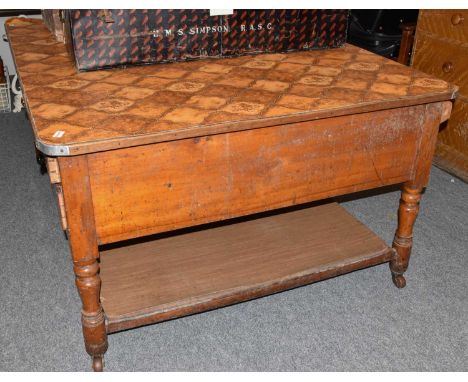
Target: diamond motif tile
x,y
170,73
342,93
305,60
203,76
249,108
112,105
43,80
331,103
54,110
323,70
364,66
273,57
69,84
154,82
102,88
307,91
324,61
186,86
72,133
386,88
279,110
272,86
215,68
186,114
239,82
297,102
36,67
93,76
32,57
206,102
226,117
55,60
255,96
394,78
290,67
222,91
119,77
121,103
351,83
148,111
134,92
123,123
316,80
87,117
59,71
259,64
432,83
289,77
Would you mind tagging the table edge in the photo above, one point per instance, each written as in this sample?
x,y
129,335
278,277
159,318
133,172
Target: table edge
x,y
56,150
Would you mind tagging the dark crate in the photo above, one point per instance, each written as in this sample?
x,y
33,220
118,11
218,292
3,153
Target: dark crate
x,y
107,38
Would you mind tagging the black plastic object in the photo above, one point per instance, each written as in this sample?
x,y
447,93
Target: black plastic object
x,y
378,30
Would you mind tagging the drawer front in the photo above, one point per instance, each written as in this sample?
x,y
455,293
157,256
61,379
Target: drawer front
x,y
455,134
160,187
447,23
444,60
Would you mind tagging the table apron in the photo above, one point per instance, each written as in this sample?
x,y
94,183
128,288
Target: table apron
x,y
165,186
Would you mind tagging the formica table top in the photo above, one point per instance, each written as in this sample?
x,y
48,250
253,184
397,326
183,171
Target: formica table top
x,y
74,113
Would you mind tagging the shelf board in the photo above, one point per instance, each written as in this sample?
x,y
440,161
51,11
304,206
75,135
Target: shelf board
x,y
188,273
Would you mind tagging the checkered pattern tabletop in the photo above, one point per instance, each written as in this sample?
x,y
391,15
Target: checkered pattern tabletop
x,y
105,109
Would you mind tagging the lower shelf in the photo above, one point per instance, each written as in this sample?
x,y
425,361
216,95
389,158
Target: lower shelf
x,y
193,272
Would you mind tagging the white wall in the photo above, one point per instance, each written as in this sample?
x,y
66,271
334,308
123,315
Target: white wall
x,y
5,52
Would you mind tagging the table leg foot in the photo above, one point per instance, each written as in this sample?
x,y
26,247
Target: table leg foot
x,y
98,363
399,280
403,241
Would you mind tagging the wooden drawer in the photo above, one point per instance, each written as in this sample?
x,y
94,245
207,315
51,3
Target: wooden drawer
x,y
449,23
447,61
194,181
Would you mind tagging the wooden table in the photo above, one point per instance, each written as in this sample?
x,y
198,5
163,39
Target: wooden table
x,y
148,150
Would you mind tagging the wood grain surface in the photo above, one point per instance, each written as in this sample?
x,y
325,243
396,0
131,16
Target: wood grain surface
x,y
449,24
160,187
447,61
183,274
107,109
441,49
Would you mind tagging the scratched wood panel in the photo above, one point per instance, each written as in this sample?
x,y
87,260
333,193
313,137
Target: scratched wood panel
x,y
169,185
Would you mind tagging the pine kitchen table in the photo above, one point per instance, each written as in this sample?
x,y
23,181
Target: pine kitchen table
x,y
143,151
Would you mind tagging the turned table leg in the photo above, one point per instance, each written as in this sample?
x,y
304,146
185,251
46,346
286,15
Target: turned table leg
x,y
92,315
84,247
403,241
